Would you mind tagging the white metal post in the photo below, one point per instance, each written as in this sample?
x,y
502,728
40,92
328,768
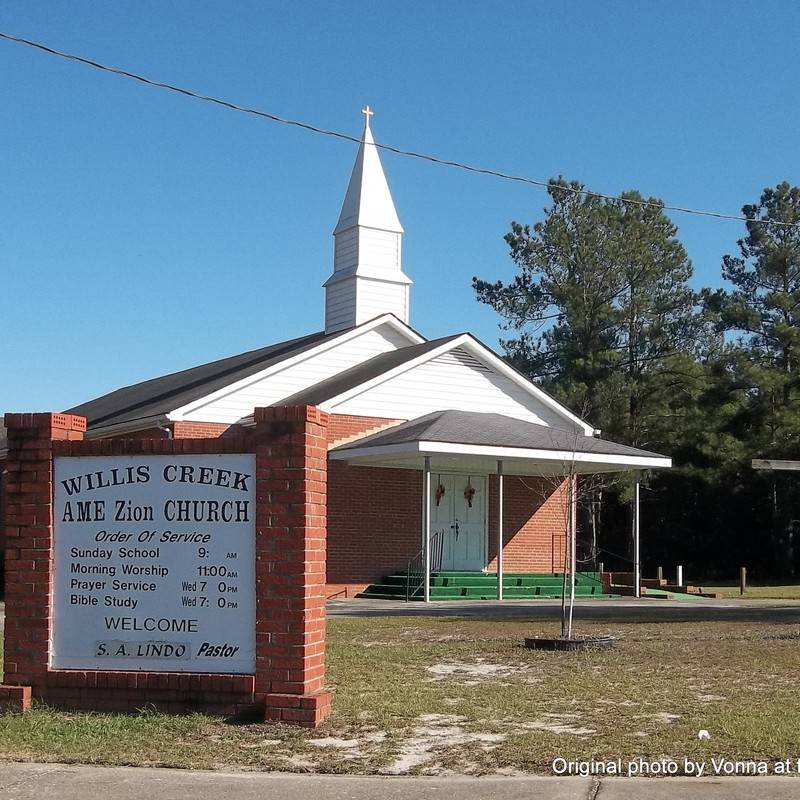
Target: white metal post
x,y
426,526
637,566
499,530
573,548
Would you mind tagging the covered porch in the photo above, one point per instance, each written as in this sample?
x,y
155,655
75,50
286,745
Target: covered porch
x,y
458,454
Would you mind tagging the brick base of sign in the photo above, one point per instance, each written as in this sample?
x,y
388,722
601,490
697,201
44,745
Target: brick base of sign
x,y
172,692
290,528
305,710
15,699
177,693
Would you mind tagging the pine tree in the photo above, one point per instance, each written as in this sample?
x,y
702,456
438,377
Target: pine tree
x,y
602,307
763,308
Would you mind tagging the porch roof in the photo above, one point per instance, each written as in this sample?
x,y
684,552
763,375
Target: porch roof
x,y
461,440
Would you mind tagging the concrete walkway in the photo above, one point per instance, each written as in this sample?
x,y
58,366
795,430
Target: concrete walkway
x,y
625,609
34,781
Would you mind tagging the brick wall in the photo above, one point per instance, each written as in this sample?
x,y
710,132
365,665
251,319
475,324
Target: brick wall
x,y
183,430
28,558
374,523
291,484
534,524
345,428
290,445
203,430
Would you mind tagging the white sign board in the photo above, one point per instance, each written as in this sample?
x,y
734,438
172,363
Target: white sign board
x,y
154,563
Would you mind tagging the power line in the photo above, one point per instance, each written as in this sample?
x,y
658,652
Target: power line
x,y
388,148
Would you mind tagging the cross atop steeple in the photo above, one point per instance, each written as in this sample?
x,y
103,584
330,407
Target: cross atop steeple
x,y
367,112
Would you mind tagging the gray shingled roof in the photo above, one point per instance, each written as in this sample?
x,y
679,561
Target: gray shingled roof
x,y
164,394
491,430
361,373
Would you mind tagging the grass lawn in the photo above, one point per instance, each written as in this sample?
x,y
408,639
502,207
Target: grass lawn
x,y
426,695
731,590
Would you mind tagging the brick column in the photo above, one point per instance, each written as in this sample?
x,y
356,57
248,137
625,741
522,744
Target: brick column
x,y
29,539
291,485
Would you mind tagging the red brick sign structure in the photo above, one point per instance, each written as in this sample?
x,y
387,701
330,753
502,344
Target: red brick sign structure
x,y
288,681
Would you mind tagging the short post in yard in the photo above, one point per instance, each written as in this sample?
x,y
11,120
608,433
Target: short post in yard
x,y
679,575
637,566
499,530
742,580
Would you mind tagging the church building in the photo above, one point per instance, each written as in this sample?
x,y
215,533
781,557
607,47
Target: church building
x,y
449,472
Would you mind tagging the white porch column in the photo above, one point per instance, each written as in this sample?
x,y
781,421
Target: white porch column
x,y
426,526
499,530
637,566
573,546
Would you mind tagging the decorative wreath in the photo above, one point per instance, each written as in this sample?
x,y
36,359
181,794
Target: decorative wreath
x,y
469,492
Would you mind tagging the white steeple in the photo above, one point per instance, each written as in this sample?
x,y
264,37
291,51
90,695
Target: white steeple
x,y
368,278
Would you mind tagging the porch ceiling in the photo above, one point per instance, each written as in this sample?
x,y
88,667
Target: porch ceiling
x,y
458,441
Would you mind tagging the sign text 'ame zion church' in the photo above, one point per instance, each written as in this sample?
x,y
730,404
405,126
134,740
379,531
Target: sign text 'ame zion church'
x,y
154,563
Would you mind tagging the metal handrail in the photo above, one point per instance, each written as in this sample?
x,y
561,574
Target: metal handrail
x,y
415,570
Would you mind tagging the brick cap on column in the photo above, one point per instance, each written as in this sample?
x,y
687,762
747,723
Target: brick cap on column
x,y
290,414
45,421
15,698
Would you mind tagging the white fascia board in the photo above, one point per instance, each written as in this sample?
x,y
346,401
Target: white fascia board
x,y
564,457
481,351
393,373
385,319
397,276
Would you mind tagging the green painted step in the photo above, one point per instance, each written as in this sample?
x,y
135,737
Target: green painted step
x,y
476,591
530,581
483,586
378,596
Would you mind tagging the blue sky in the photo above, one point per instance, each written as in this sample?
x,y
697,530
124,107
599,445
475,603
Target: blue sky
x,y
141,233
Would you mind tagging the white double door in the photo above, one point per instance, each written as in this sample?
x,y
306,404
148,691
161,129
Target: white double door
x,y
458,508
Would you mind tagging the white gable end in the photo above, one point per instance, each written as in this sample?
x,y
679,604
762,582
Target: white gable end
x,y
454,380
238,401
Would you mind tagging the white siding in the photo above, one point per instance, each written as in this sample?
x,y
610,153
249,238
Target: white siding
x,y
376,297
345,250
378,250
340,305
357,299
240,402
454,380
